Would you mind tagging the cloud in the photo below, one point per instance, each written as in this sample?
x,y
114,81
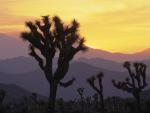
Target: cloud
x,y
106,24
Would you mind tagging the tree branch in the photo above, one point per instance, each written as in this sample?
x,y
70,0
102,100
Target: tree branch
x,y
67,84
33,54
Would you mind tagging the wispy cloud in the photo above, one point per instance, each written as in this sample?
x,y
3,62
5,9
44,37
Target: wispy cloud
x,y
107,24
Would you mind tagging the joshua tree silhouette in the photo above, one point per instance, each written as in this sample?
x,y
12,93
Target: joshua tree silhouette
x,y
81,92
99,90
48,37
136,83
95,97
2,97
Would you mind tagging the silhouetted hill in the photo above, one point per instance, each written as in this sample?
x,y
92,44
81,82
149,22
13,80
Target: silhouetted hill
x,y
108,64
15,93
36,82
19,65
102,63
119,57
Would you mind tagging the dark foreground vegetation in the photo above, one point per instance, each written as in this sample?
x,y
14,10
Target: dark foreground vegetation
x,y
52,38
91,104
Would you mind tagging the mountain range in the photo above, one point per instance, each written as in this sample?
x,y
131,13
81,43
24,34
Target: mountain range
x,y
118,57
80,70
77,70
16,68
12,47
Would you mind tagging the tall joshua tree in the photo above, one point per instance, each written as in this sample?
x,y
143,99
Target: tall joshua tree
x,y
99,90
47,36
136,81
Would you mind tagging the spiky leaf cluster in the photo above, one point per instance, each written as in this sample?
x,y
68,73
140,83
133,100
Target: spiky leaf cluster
x,y
47,37
80,91
91,82
136,80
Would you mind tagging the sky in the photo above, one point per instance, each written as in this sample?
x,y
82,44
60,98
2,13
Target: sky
x,y
112,25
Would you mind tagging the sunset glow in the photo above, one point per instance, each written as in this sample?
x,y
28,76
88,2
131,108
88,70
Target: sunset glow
x,y
113,25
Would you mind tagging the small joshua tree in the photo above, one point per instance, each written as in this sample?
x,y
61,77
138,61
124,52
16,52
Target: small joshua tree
x,y
136,81
88,102
99,90
81,92
48,37
2,97
95,97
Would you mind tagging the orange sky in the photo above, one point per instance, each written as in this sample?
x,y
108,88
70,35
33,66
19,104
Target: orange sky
x,y
113,25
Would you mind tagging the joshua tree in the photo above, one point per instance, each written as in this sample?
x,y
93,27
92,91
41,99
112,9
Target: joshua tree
x,y
2,97
136,81
81,92
48,37
95,97
88,103
99,90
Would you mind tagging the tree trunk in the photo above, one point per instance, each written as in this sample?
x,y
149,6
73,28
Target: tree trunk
x,y
82,102
139,104
102,102
138,101
52,97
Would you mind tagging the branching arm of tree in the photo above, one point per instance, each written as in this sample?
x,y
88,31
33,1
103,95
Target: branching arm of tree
x,y
123,86
99,76
37,58
92,84
81,46
138,79
34,41
67,84
127,65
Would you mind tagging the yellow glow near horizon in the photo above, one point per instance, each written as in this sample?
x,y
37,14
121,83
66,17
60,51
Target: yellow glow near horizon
x,y
113,25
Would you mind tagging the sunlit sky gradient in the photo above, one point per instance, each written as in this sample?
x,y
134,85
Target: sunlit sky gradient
x,y
113,25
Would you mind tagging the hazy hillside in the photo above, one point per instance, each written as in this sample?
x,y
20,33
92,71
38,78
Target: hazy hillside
x,y
79,70
11,47
20,65
23,71
119,57
102,63
14,93
108,64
